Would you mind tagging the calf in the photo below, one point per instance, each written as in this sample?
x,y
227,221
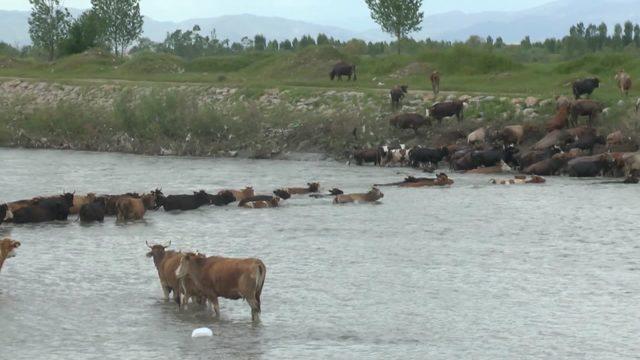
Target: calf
x,y
186,202
8,249
422,156
130,209
397,94
585,86
223,277
409,121
445,109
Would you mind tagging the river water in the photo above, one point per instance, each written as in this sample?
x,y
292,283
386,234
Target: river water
x,y
474,271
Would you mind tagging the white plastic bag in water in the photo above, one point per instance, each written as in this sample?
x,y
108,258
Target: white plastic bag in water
x,y
202,332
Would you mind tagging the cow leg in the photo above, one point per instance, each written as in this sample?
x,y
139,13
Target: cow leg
x,y
165,290
216,305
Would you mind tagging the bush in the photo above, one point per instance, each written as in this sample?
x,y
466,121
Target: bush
x,y
147,62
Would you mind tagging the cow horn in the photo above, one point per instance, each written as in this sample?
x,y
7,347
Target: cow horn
x,y
149,246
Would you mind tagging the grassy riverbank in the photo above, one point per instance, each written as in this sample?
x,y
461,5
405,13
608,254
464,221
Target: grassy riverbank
x,y
265,104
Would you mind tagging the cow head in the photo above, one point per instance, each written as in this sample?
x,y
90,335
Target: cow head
x,y
5,213
8,248
336,192
190,263
68,199
157,251
314,187
375,194
283,194
225,197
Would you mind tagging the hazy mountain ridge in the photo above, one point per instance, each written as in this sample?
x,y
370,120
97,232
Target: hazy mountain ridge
x,y
550,20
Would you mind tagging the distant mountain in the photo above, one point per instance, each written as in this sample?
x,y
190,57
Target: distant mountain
x,y
550,20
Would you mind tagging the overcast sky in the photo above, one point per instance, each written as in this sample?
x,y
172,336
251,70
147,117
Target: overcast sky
x,y
344,13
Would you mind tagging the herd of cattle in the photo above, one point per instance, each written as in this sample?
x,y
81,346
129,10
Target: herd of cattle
x,y
562,147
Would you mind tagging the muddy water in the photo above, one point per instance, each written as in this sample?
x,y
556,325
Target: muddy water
x,y
472,271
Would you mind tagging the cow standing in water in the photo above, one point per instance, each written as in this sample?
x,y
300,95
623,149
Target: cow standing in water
x,y
624,82
435,82
232,279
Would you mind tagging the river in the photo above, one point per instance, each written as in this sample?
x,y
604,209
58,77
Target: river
x,y
473,271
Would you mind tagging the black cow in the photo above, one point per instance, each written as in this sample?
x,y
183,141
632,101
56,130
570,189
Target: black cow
x,y
223,198
186,202
409,121
442,110
93,212
43,210
546,167
590,166
534,156
282,194
4,209
343,69
492,157
420,156
397,94
587,142
585,86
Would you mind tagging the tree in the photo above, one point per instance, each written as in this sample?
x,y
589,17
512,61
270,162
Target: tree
x,y
48,25
627,38
286,45
259,42
603,35
617,37
526,42
273,45
636,35
499,42
397,17
322,39
306,40
122,22
85,33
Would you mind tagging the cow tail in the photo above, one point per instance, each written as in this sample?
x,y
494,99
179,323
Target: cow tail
x,y
261,272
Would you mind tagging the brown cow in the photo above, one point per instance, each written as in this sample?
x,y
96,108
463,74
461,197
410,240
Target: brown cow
x,y
167,263
519,180
241,194
583,107
260,202
397,93
441,180
435,82
512,134
79,200
624,82
228,278
7,250
129,209
152,200
407,121
478,136
560,120
311,189
372,196
370,155
441,110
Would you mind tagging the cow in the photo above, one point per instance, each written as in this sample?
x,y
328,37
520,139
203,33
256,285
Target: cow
x,y
241,194
130,209
8,249
615,138
185,202
513,134
554,138
624,82
496,169
372,196
5,213
560,120
343,69
585,87
550,166
44,209
590,166
397,157
222,198
397,94
441,180
519,180
492,157
583,107
310,189
534,156
151,200
370,155
260,202
332,192
435,82
79,200
478,136
93,212
409,121
110,202
233,279
462,161
587,142
422,156
445,109
562,101
166,263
